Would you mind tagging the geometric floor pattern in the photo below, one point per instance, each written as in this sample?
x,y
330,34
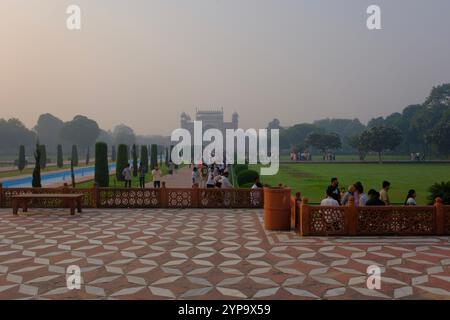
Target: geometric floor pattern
x,y
206,254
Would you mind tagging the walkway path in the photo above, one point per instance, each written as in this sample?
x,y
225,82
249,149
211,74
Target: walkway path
x,y
206,254
180,179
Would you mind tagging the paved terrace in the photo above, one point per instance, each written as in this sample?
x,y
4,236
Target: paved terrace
x,y
205,254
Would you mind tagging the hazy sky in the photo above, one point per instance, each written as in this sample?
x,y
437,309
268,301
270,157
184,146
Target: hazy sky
x,y
143,62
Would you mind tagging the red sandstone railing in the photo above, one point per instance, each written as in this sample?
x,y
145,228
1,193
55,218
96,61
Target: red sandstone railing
x,y
371,221
145,198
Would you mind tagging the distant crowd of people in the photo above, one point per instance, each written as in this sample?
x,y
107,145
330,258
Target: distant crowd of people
x,y
338,197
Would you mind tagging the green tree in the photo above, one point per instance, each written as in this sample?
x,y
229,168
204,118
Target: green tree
x,y
43,160
87,156
113,153
356,143
36,180
153,156
135,160
72,173
167,157
440,138
124,135
48,128
101,165
324,141
13,133
381,139
21,162
74,157
121,161
144,157
59,157
81,131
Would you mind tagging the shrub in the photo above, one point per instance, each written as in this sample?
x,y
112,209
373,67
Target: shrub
x,y
36,182
122,161
135,160
59,157
246,176
247,185
144,157
21,163
441,190
113,153
101,164
74,157
154,156
240,167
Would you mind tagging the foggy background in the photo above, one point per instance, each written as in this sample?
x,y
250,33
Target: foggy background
x,y
143,62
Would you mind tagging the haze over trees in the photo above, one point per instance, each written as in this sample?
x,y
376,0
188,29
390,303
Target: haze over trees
x,y
424,129
81,131
48,130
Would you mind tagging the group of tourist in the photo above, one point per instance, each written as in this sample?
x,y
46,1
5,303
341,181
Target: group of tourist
x,y
337,197
213,176
301,156
142,171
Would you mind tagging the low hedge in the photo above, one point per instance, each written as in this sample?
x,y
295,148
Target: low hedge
x,y
239,168
246,176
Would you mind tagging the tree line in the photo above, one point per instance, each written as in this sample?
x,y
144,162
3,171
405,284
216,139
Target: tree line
x,y
423,128
80,131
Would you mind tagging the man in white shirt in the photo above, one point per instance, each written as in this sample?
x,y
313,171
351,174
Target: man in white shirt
x,y
329,201
126,173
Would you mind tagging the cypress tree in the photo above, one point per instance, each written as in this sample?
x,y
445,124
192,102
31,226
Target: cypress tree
x,y
113,153
59,157
154,156
21,163
144,157
101,165
167,157
36,182
87,156
74,155
43,159
135,160
72,173
122,161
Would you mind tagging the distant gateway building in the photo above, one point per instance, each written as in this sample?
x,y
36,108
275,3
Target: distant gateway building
x,y
211,119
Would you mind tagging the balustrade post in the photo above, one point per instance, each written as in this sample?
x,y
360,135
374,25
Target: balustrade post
x,y
95,195
298,203
164,201
351,219
440,217
195,196
305,212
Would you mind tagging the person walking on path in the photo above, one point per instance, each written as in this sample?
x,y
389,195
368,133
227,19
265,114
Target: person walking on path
x,y
156,173
126,173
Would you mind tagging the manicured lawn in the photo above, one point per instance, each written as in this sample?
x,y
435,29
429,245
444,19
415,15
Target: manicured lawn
x,y
114,183
312,179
